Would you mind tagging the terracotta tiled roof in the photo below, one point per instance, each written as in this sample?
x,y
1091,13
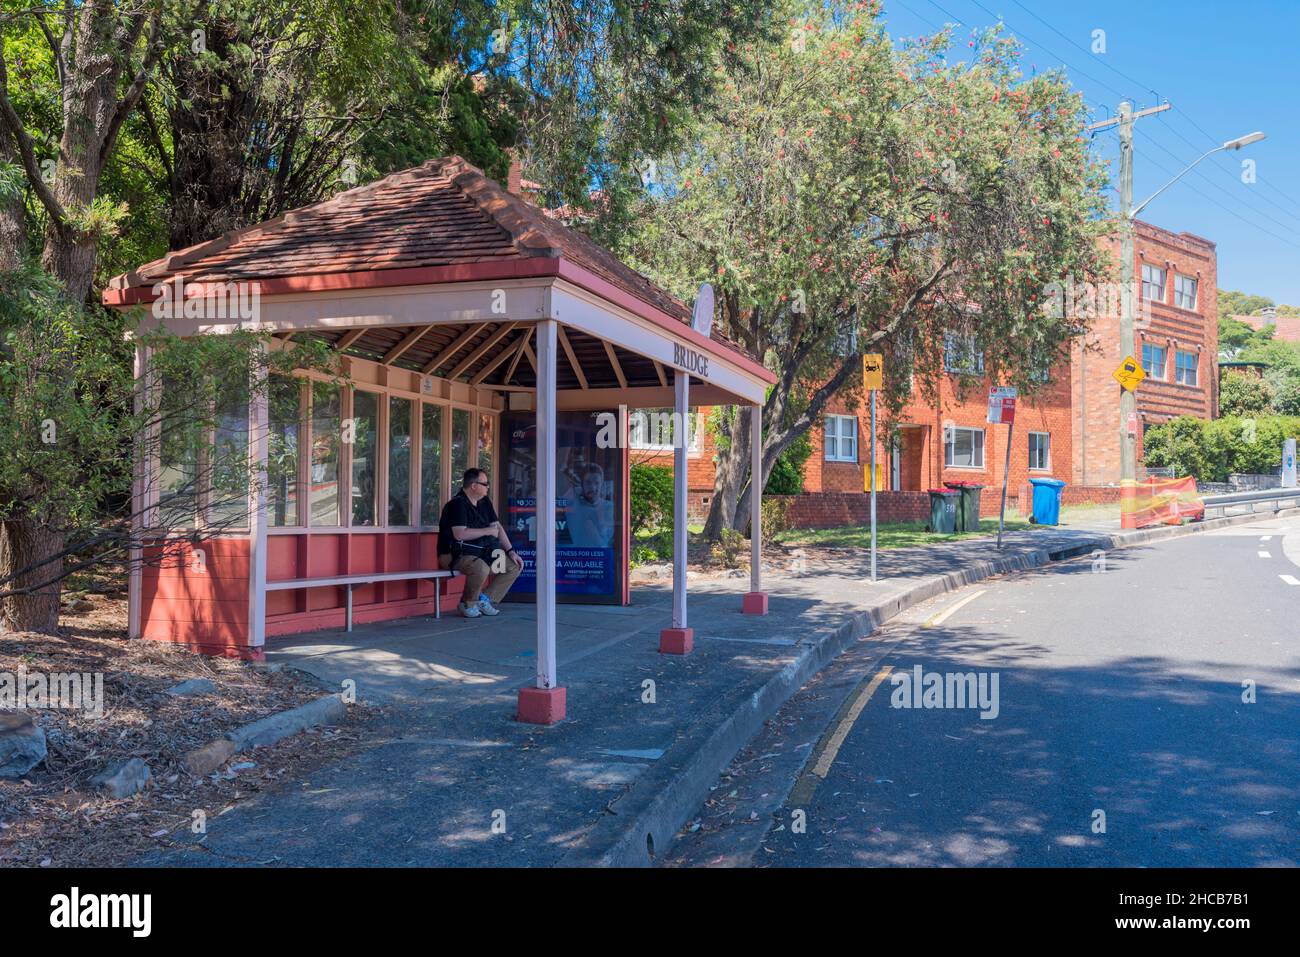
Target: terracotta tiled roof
x,y
1286,328
442,213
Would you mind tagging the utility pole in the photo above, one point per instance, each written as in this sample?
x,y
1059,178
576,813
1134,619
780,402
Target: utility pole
x,y
1128,304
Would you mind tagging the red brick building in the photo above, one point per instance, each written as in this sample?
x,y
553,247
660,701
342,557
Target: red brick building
x,y
1177,342
1069,431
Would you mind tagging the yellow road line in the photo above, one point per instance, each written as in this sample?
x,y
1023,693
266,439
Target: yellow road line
x,y
941,617
827,758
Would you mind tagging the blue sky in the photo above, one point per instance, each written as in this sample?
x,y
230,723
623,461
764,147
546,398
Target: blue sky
x,y
1227,68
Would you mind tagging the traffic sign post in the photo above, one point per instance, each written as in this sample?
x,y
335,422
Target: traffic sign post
x,y
1129,374
1002,408
873,379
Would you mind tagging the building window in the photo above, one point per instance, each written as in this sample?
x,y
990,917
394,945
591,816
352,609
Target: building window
x,y
1153,283
1153,361
430,464
841,438
653,430
326,422
1185,292
964,448
1040,451
399,461
1185,367
961,355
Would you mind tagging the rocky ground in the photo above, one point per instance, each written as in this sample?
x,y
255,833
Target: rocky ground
x,y
58,813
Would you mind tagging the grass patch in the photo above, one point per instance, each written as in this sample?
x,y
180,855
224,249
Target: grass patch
x,y
891,535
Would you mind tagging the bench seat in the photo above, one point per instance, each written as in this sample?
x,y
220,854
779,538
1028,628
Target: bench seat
x,y
350,581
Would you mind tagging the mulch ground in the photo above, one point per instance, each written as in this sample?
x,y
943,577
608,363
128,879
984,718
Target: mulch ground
x,y
55,817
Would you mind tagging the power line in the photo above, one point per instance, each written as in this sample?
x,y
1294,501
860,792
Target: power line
x,y
1229,170
1047,49
1066,38
1198,172
1229,211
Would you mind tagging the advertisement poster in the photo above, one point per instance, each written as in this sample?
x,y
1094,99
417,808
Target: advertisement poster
x,y
588,519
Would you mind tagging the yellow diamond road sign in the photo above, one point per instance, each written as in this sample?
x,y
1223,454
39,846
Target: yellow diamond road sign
x,y
1129,374
873,371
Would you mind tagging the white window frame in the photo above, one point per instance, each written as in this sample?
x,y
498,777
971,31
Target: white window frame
x,y
1148,284
1160,374
973,357
1045,449
1179,280
1195,367
950,448
641,421
834,436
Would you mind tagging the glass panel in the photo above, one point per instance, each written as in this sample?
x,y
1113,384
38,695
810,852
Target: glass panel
x,y
326,421
365,450
178,454
485,448
284,413
459,445
431,464
228,494
399,461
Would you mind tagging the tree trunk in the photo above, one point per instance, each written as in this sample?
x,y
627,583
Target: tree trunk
x,y
30,545
733,465
11,217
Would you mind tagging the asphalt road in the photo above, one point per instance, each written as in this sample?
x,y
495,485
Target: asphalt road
x,y
1122,732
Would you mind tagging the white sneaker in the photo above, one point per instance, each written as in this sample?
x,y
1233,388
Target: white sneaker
x,y
470,611
486,607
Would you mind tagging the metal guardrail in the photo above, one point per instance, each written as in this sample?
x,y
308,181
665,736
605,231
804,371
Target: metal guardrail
x,y
1248,501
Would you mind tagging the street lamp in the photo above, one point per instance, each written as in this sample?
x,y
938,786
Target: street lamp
x,y
1236,144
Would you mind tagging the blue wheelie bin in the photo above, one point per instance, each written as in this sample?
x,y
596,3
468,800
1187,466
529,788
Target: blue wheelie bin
x,y
1047,500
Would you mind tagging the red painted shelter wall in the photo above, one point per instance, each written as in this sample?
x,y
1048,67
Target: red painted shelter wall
x,y
198,602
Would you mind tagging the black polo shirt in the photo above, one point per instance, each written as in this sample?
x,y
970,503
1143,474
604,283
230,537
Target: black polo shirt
x,y
461,511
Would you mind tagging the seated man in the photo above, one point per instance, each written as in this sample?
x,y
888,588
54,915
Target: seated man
x,y
465,521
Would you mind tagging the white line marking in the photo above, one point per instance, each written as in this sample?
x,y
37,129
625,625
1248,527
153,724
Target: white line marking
x,y
1290,579
942,616
1265,555
1265,538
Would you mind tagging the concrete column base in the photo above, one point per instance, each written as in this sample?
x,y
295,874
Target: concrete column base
x,y
541,705
754,603
676,641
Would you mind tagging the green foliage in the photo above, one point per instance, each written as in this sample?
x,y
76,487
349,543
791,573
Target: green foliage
x,y
73,418
730,550
1235,303
1245,395
786,477
1286,400
1236,336
651,498
1209,450
840,188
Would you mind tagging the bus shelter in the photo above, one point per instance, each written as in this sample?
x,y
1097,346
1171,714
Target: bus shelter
x,y
474,330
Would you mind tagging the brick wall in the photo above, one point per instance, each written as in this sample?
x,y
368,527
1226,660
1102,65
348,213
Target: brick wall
x,y
833,509
1096,423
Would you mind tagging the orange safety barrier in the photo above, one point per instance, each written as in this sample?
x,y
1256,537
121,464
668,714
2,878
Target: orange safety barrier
x,y
1160,502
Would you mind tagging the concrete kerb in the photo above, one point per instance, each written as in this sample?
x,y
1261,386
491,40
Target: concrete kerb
x,y
326,710
648,817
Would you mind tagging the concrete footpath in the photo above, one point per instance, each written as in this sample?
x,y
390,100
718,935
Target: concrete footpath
x,y
448,778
